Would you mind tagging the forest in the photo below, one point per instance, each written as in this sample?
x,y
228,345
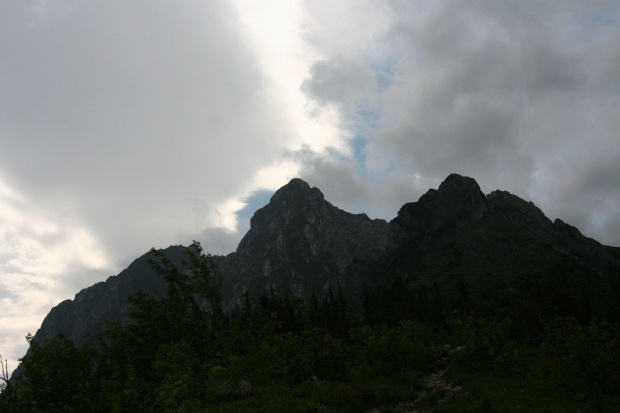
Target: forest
x,y
408,348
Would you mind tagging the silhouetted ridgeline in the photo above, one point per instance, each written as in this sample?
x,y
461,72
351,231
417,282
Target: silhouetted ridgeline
x,y
300,243
462,303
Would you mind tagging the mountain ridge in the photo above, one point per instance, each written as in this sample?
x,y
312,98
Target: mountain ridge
x,y
300,243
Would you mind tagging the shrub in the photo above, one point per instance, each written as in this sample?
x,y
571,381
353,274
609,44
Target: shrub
x,y
588,353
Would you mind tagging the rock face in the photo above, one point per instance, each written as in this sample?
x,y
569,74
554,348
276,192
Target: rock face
x,y
89,311
488,241
458,201
243,388
299,242
92,307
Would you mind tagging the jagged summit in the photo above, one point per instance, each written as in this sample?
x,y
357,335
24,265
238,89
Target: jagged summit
x,y
300,242
465,192
457,201
295,187
458,183
293,198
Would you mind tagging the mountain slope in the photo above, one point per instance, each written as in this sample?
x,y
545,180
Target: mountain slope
x,y
456,232
299,242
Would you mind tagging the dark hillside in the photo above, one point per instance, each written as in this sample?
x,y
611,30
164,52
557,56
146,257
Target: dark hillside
x,y
300,243
455,232
463,303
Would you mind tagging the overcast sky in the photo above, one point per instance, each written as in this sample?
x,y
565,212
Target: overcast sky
x,y
128,125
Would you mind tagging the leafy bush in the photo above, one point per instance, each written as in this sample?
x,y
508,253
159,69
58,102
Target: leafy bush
x,y
487,342
407,346
588,353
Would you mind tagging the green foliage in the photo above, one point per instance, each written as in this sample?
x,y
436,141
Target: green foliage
x,y
183,353
589,354
401,302
178,376
7,397
59,376
487,342
408,346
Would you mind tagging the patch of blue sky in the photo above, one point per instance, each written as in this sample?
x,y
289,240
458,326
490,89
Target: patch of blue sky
x,y
369,117
609,16
376,174
384,69
358,146
380,174
254,202
607,21
600,219
598,25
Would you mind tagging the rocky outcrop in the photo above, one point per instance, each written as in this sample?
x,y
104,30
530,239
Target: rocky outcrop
x,y
299,242
457,201
92,307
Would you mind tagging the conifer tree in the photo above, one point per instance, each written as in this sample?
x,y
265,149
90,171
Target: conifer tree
x,y
464,304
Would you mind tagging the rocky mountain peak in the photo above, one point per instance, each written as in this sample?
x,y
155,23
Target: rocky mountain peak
x,y
566,229
296,189
289,201
458,201
465,194
299,242
459,184
517,210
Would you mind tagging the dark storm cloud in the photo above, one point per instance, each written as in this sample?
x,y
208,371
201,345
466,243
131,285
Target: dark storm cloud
x,y
332,176
522,96
468,88
215,240
338,81
342,184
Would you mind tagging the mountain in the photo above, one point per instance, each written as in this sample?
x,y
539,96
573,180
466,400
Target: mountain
x,y
300,243
456,232
296,244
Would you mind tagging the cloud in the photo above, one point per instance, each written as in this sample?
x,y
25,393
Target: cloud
x,y
138,120
467,87
342,184
338,81
41,264
519,95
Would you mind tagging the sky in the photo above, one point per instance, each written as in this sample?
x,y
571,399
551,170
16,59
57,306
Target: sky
x,y
131,125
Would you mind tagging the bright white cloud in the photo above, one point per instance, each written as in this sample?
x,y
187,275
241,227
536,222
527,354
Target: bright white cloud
x,y
42,262
275,31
